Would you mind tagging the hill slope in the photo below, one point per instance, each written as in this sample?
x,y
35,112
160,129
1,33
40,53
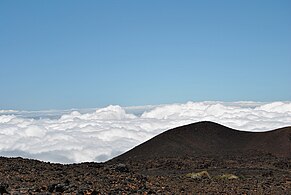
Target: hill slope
x,y
208,138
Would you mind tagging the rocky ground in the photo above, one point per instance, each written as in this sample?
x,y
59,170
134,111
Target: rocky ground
x,y
239,174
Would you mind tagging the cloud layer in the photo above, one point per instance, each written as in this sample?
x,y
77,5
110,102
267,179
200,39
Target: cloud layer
x,y
86,135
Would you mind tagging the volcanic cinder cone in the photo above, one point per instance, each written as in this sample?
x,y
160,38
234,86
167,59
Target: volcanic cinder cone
x,y
208,138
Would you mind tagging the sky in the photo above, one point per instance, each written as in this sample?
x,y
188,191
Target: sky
x,y
83,54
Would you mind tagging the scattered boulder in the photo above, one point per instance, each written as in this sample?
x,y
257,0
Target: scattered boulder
x,y
122,168
3,188
94,192
59,187
51,187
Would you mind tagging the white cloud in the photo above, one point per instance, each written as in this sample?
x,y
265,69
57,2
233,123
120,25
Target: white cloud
x,y
85,135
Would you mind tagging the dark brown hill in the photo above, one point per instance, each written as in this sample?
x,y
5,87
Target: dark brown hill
x,y
208,138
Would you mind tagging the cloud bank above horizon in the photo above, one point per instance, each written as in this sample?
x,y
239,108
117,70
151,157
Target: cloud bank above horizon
x,y
74,136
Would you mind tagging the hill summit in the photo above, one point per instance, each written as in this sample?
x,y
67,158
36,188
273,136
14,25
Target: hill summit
x,y
209,138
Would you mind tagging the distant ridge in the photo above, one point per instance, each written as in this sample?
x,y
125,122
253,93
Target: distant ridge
x,y
209,138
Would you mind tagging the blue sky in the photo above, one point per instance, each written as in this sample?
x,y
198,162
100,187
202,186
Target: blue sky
x,y
80,54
